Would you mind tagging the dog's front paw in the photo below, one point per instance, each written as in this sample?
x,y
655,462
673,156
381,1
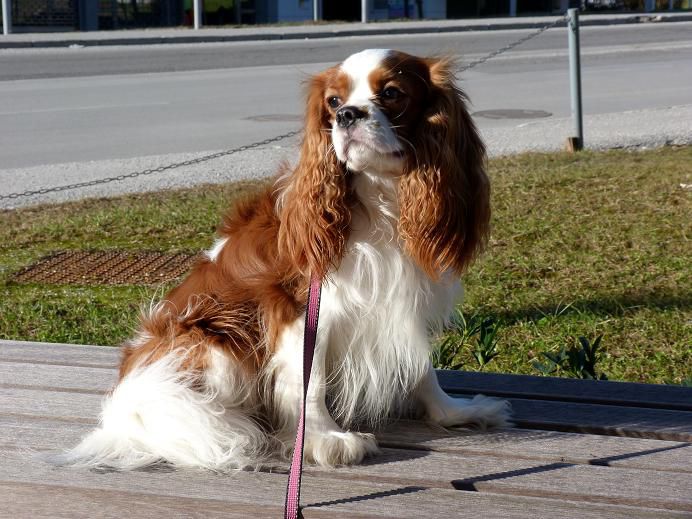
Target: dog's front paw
x,y
331,448
480,411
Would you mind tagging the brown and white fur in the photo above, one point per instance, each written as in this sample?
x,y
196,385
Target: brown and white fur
x,y
389,202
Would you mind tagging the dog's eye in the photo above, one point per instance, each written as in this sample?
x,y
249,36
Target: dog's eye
x,y
334,102
391,93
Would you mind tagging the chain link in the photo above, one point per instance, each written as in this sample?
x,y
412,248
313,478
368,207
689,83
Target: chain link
x,y
150,171
516,43
205,158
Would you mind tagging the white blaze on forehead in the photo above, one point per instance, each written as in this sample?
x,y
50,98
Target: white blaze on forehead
x,y
358,67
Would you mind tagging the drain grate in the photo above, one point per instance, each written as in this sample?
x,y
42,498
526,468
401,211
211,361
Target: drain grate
x,y
106,268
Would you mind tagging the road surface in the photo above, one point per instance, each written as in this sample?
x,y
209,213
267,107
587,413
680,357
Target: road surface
x,y
68,115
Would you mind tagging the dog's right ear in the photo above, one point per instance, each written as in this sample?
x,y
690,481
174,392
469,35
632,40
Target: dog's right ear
x,y
314,213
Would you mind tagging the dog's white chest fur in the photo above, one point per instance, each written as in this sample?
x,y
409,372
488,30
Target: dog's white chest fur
x,y
380,309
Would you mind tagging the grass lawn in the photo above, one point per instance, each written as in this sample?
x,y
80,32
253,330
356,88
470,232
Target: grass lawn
x,y
583,245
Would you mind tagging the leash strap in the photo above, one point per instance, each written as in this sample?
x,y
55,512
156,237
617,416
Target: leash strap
x,y
292,505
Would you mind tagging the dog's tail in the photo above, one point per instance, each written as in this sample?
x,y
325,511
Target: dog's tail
x,y
158,413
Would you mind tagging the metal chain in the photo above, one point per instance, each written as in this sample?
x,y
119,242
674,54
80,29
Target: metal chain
x,y
513,44
150,171
246,147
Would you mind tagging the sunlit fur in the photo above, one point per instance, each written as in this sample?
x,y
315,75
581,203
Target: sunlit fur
x,y
389,210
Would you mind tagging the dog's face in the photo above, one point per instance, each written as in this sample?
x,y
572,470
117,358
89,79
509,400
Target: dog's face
x,y
402,118
373,100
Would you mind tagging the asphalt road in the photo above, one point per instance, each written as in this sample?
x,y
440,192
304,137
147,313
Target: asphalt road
x,y
73,114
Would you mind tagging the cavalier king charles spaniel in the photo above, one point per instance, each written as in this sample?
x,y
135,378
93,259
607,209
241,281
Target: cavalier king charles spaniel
x,y
388,203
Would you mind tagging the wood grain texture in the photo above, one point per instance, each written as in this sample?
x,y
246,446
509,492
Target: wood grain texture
x,y
47,390
50,396
63,502
323,496
493,472
529,414
502,475
603,419
60,354
42,433
39,402
584,449
567,390
57,377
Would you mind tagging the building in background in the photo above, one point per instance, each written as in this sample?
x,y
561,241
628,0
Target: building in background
x,y
68,15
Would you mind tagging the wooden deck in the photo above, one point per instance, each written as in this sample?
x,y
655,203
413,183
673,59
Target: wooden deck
x,y
580,449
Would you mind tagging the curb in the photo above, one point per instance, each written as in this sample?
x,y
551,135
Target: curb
x,y
585,21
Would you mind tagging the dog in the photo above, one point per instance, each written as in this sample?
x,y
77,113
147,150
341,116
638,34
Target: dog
x,y
388,203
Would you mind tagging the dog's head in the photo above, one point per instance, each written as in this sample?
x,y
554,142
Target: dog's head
x,y
392,115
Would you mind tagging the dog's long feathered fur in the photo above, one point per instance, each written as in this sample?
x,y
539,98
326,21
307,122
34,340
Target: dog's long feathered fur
x,y
389,209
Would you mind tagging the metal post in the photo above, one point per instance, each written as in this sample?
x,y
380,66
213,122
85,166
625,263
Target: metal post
x,y
197,12
364,11
512,7
316,10
6,17
576,142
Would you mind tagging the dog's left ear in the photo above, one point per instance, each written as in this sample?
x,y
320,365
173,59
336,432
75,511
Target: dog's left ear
x,y
444,193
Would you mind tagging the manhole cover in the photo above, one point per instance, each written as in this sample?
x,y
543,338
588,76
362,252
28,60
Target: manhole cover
x,y
106,268
510,113
275,118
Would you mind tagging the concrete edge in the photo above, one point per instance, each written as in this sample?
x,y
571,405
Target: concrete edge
x,y
200,37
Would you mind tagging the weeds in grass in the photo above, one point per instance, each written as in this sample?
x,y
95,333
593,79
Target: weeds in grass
x,y
588,244
476,335
575,362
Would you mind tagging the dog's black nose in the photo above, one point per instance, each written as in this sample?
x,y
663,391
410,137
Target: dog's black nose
x,y
348,115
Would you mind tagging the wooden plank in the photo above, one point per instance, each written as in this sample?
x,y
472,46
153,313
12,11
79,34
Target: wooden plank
x,y
529,414
567,390
35,402
547,446
55,501
329,494
26,433
59,354
494,384
583,483
603,419
57,378
527,476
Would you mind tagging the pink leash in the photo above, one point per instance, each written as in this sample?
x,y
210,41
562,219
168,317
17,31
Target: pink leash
x,y
292,506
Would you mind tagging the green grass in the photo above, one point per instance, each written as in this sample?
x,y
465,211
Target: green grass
x,y
586,244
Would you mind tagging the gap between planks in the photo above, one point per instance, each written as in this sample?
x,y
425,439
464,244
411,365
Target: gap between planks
x,y
323,496
43,433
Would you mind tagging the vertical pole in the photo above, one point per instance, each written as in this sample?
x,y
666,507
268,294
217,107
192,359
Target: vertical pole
x,y
238,11
197,12
364,11
670,5
6,17
315,10
575,78
512,7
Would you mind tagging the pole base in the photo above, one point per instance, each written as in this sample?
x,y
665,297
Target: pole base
x,y
573,144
